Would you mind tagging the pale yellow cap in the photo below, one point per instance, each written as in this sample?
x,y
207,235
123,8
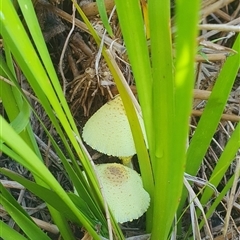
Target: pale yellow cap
x,y
108,130
123,190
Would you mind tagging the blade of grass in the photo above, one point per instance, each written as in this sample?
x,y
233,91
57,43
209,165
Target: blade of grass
x,y
212,112
223,163
32,163
163,118
131,21
212,115
104,17
141,65
20,217
9,233
172,96
52,198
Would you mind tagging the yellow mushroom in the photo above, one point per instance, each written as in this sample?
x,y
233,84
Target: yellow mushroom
x,y
123,191
108,131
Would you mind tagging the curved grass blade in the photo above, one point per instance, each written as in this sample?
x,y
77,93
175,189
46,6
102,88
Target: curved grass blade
x,y
104,17
20,217
223,163
212,112
8,233
52,198
32,163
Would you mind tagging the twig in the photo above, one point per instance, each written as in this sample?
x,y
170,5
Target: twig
x,y
99,53
220,27
65,47
53,155
212,57
215,6
213,32
46,226
25,92
226,117
118,47
195,199
12,184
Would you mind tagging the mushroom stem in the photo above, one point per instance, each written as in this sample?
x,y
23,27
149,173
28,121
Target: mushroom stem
x,y
127,161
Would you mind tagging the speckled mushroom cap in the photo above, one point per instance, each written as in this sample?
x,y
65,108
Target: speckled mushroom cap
x,y
108,130
123,191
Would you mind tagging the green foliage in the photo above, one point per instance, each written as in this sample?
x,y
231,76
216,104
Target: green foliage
x,y
104,17
164,80
165,84
36,65
19,216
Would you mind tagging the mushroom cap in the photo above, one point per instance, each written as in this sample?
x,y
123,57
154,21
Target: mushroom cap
x,y
108,130
123,191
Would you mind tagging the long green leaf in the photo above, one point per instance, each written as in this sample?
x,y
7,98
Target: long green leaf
x,y
223,163
132,27
22,219
104,17
52,198
8,233
213,111
163,115
172,94
31,162
131,21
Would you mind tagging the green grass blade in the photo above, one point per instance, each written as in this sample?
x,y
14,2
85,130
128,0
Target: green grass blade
x,y
8,233
213,111
163,118
170,108
21,218
104,17
32,163
52,198
223,163
131,21
218,199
